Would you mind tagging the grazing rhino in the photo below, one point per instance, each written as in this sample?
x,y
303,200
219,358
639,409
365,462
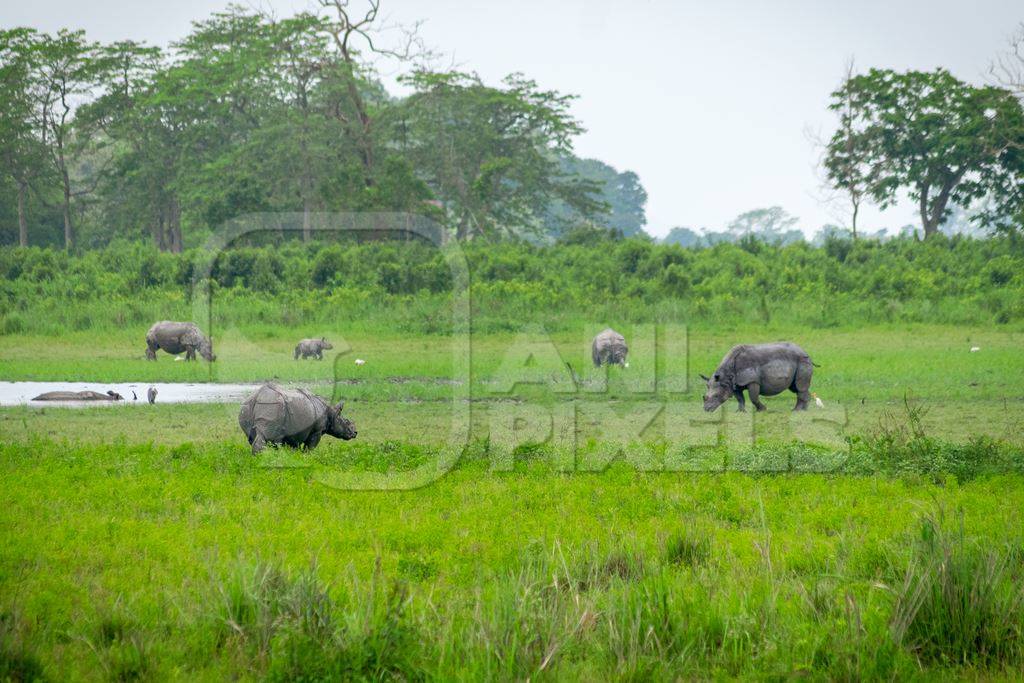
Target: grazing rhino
x,y
79,396
761,370
609,347
312,347
174,338
292,417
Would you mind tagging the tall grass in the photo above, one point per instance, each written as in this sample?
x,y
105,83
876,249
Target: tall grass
x,y
958,602
586,613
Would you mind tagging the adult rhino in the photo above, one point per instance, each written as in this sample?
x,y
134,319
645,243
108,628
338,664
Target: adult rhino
x,y
609,347
78,396
174,338
761,370
292,417
312,347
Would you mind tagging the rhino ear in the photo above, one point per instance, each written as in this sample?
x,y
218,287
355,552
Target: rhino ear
x,y
705,378
340,406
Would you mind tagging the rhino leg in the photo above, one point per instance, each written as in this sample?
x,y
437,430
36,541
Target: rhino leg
x,y
802,385
296,353
151,351
312,440
739,399
754,389
190,353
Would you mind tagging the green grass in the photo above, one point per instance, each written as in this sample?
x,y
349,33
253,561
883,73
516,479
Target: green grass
x,y
194,562
146,542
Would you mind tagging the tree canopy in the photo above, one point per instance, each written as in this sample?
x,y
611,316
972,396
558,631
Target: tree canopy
x,y
250,113
945,141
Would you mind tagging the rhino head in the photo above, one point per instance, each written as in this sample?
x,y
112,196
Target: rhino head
x,y
719,390
324,344
338,426
206,349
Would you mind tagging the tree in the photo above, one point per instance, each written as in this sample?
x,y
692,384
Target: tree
x,y
847,160
684,237
772,225
942,139
22,155
491,154
622,193
1008,67
350,34
67,77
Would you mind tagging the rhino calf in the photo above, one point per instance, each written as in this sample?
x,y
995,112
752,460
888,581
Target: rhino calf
x,y
312,347
174,338
760,370
609,347
291,417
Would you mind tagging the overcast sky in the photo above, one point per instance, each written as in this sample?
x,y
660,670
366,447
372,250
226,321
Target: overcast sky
x,y
708,102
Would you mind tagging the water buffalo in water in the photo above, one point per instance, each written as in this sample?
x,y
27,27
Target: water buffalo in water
x,y
609,347
292,417
174,338
312,347
79,396
761,370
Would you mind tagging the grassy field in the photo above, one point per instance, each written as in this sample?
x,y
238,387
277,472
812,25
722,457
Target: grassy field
x,y
146,542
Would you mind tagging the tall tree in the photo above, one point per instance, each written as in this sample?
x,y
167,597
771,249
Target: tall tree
x,y
622,193
772,224
491,154
942,139
357,35
847,160
67,77
22,156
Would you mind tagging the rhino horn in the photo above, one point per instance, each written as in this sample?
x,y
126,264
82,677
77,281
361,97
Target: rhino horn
x,y
705,378
340,406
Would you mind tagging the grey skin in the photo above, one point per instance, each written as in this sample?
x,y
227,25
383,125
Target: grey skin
x,y
174,338
312,347
291,417
609,347
79,396
760,370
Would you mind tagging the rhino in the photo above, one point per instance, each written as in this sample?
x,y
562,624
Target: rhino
x,y
312,347
291,417
78,396
609,347
761,370
174,338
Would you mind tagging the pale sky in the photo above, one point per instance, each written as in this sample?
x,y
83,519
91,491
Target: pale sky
x,y
708,102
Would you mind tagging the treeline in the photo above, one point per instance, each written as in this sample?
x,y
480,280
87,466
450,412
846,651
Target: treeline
x,y
407,285
253,114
